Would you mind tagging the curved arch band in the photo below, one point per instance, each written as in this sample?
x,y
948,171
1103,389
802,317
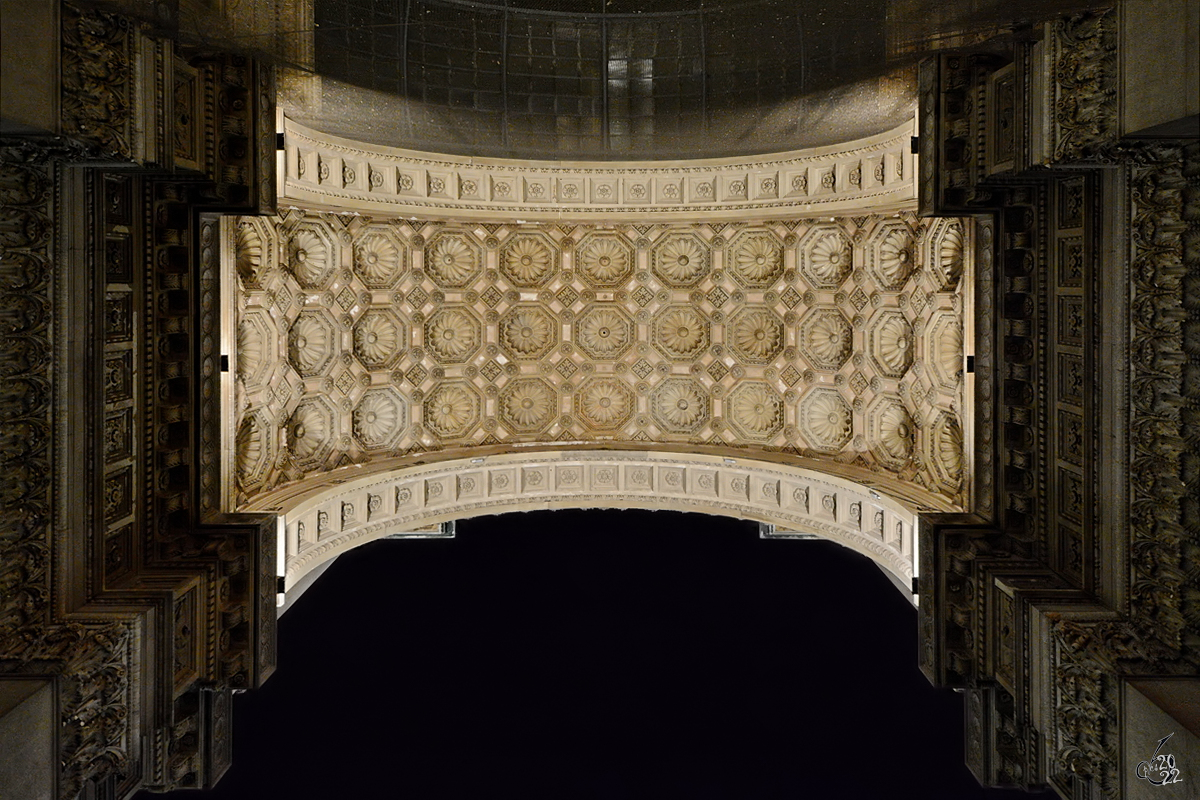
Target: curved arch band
x,y
340,512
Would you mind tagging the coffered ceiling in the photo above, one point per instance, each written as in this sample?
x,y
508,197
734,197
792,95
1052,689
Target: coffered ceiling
x,y
835,341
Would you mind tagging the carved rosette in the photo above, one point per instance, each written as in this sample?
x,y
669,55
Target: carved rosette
x,y
453,260
528,405
825,259
755,259
604,332
250,253
891,344
826,338
826,420
453,334
680,260
681,332
311,433
604,404
755,410
755,335
893,430
528,332
256,348
378,261
604,260
528,260
380,338
379,418
679,405
254,445
892,256
452,410
312,343
947,251
944,449
310,257
944,349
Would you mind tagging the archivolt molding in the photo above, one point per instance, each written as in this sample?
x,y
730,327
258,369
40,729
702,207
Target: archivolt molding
x,y
330,515
535,350
866,175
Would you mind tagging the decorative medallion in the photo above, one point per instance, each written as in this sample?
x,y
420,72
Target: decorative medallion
x,y
604,259
681,332
451,410
311,433
453,334
379,418
755,335
604,403
452,260
528,332
679,405
945,448
826,419
826,338
680,260
528,405
528,260
755,410
604,332
755,259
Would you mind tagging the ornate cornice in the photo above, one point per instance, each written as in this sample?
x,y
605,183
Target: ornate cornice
x,y
873,175
326,516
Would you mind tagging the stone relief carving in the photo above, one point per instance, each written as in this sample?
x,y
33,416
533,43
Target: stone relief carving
x,y
757,259
892,254
825,419
452,260
404,182
604,259
453,334
378,261
311,259
380,418
825,258
605,352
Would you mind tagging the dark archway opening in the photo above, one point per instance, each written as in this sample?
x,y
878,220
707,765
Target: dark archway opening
x,y
606,655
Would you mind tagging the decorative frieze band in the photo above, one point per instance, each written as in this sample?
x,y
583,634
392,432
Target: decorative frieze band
x,y
874,174
324,520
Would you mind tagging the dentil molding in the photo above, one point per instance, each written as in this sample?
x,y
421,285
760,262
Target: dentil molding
x,y
869,175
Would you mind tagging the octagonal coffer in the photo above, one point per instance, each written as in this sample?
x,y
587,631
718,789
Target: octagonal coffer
x,y
755,334
453,259
528,405
755,259
604,331
604,404
604,260
380,417
380,338
311,257
452,409
453,334
380,258
824,256
755,410
679,405
680,260
528,332
681,332
826,419
826,338
528,260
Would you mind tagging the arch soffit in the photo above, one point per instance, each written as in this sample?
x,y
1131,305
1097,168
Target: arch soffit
x,y
324,517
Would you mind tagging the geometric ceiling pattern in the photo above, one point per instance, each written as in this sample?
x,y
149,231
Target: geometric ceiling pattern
x,y
835,339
